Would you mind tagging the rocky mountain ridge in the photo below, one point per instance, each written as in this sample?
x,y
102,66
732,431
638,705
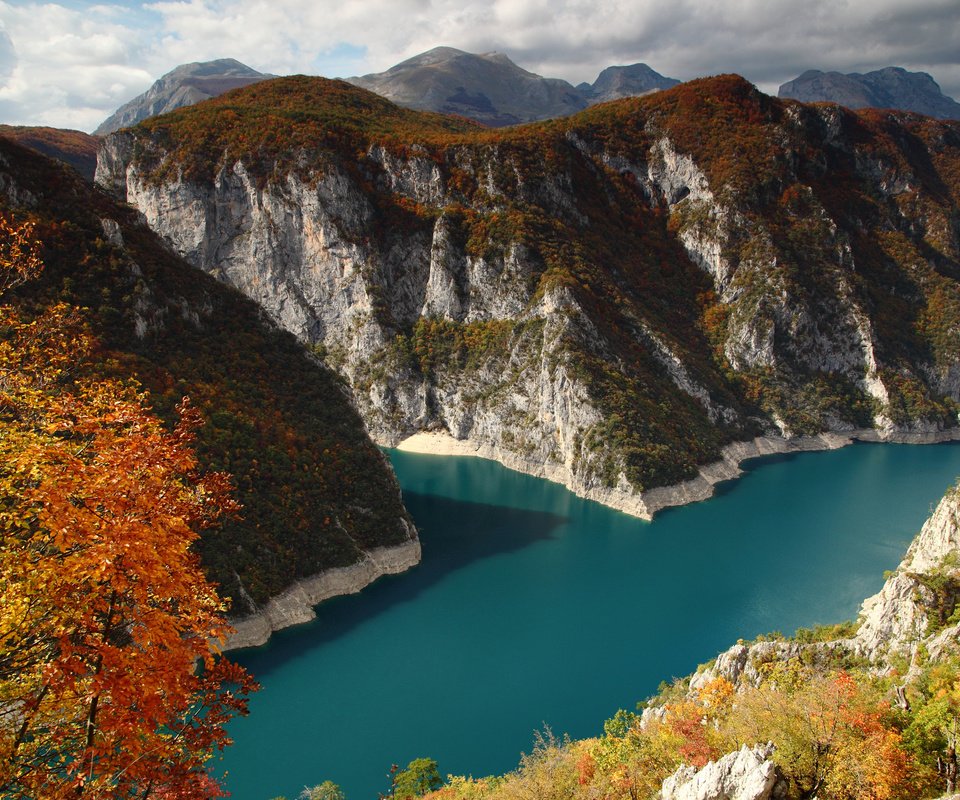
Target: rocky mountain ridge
x,y
488,88
890,87
182,86
610,299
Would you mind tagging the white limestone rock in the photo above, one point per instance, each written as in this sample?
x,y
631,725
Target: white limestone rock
x,y
747,774
895,619
307,247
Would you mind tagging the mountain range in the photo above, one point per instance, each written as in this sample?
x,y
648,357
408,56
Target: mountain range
x,y
890,87
488,88
629,299
623,299
493,90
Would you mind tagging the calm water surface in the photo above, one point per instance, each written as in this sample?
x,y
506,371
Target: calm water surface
x,y
533,607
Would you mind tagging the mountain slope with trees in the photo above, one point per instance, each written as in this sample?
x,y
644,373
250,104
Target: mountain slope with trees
x,y
109,680
76,148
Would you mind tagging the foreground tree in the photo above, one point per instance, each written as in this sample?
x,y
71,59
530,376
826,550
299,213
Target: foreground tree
x,y
109,684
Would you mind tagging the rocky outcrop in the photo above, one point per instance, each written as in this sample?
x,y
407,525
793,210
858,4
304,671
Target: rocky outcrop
x,y
905,619
625,81
486,87
295,605
898,617
627,317
747,774
908,613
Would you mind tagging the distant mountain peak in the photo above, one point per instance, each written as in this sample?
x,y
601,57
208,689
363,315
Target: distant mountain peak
x,y
219,66
487,87
628,81
492,89
182,86
889,87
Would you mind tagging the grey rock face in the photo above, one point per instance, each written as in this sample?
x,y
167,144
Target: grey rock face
x,y
890,87
182,86
298,250
896,619
747,774
315,247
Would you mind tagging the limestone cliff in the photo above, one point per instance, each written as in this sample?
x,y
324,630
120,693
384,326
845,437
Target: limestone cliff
x,y
916,604
620,301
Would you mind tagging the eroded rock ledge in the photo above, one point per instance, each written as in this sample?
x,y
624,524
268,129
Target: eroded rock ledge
x,y
295,605
646,504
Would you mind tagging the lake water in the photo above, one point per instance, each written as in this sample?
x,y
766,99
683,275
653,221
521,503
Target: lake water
x,y
532,607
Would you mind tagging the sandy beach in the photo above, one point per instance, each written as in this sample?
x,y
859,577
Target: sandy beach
x,y
437,443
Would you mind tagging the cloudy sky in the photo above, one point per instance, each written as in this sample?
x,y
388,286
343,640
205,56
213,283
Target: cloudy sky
x,y
71,63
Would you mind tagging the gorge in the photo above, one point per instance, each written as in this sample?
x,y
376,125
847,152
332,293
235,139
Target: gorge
x,y
630,302
611,299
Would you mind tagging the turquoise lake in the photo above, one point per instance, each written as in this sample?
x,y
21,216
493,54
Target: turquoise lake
x,y
532,607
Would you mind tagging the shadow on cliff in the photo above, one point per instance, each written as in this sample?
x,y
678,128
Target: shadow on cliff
x,y
454,534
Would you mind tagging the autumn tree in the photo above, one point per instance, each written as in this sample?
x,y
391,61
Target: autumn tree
x,y
109,681
835,737
420,776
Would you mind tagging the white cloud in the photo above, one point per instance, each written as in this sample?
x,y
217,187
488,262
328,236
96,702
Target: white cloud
x,y
72,68
8,55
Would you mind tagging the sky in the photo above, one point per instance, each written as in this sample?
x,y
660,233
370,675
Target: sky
x,y
70,64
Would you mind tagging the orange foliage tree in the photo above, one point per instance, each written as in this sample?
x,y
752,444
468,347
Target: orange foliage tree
x,y
109,684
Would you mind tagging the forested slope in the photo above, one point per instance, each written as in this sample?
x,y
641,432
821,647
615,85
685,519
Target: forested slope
x,y
316,493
